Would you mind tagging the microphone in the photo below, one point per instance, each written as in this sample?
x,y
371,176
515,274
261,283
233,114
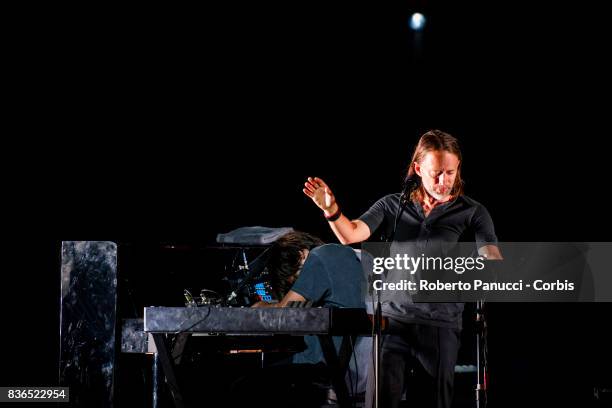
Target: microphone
x,y
411,183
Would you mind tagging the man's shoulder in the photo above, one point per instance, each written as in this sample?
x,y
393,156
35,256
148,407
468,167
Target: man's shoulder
x,y
469,202
389,198
389,201
475,210
334,254
332,250
393,197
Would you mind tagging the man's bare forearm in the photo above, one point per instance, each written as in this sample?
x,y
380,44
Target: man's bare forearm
x,y
266,304
347,231
344,229
291,296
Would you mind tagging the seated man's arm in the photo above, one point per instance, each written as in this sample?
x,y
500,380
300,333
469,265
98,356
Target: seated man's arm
x,y
291,296
311,285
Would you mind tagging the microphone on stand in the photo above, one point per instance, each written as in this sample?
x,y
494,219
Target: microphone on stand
x,y
411,183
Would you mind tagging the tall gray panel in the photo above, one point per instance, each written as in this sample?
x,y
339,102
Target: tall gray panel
x,y
88,317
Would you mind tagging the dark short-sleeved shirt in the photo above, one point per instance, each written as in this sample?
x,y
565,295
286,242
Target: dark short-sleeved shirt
x,y
459,220
332,276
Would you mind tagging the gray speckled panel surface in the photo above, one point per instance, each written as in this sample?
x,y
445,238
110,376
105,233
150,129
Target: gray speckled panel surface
x,y
87,321
237,320
133,337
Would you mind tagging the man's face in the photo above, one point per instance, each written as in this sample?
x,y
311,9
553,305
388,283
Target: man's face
x,y
438,170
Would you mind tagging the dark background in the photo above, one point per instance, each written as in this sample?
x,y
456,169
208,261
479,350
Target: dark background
x,y
152,126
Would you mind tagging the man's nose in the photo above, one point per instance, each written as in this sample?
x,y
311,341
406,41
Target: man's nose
x,y
441,178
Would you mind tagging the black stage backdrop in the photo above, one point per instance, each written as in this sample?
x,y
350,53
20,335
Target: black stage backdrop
x,y
148,127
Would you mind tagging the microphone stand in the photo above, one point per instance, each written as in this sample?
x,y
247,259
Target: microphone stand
x,y
481,354
377,345
409,185
252,270
482,349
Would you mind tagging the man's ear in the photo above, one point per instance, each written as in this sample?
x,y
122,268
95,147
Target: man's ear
x,y
417,169
303,255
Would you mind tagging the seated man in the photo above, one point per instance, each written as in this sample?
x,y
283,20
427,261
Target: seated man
x,y
302,269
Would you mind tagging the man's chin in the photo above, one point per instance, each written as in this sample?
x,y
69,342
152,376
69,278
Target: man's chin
x,y
439,197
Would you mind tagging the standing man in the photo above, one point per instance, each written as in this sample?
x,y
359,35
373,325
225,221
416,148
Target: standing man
x,y
437,211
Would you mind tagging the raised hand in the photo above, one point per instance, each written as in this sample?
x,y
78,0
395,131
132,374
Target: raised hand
x,y
321,194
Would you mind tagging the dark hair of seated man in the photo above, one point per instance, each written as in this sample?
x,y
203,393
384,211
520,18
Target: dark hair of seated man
x,y
287,255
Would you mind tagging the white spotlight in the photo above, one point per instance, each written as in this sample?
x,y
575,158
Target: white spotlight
x,y
417,21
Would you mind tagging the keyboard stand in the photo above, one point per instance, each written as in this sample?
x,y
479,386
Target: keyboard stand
x,y
337,365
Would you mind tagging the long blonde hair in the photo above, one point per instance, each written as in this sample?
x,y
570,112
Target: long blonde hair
x,y
436,140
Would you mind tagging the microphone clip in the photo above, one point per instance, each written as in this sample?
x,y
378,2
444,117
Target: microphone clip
x,y
411,183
